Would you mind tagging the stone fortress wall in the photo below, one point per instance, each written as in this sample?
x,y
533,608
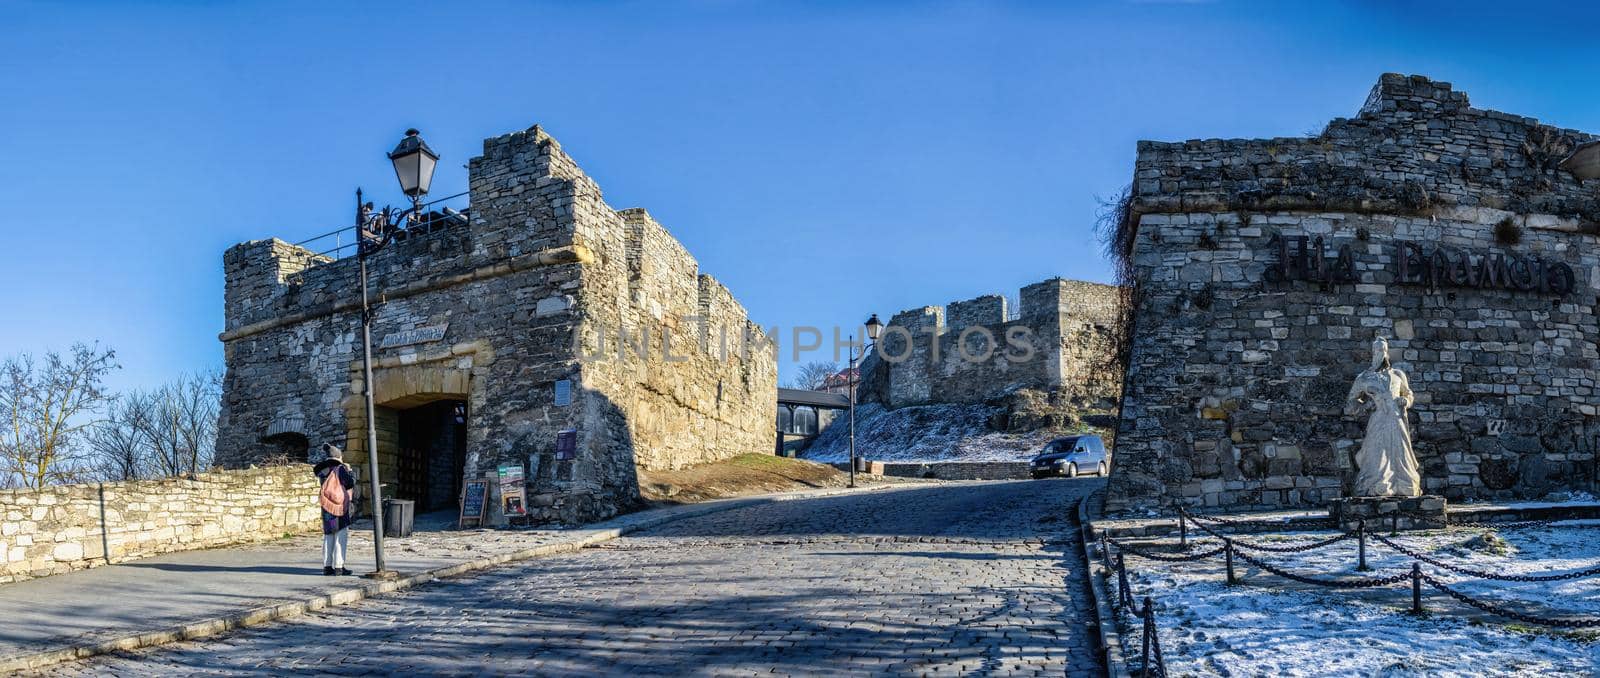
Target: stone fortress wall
x,y
973,351
537,287
1264,268
73,527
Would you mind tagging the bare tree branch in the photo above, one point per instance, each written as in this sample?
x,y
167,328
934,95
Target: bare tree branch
x,y
47,409
814,375
180,428
118,444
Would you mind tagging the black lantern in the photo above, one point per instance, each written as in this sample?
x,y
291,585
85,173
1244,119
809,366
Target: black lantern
x,y
413,164
874,328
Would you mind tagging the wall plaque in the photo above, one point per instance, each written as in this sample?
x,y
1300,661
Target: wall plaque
x,y
567,444
421,335
563,392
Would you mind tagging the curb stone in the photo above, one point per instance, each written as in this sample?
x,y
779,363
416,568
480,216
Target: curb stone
x,y
1110,640
272,613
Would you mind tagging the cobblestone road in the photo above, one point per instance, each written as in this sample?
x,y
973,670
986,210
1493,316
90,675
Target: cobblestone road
x,y
957,579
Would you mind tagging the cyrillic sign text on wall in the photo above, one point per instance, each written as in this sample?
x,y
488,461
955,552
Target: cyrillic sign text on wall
x,y
1308,258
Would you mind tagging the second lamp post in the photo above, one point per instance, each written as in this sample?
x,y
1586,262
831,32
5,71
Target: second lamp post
x,y
874,330
413,167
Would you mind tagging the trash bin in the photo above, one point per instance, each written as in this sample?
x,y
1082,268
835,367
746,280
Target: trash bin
x,y
398,515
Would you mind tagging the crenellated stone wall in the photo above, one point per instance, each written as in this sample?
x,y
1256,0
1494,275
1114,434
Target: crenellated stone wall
x,y
72,527
1264,268
544,283
1060,341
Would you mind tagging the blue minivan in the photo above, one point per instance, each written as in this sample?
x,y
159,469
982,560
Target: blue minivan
x,y
1071,456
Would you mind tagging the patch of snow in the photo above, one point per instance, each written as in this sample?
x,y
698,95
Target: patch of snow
x,y
925,433
1271,627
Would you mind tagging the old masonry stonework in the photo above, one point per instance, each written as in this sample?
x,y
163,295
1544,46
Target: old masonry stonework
x,y
546,331
1264,268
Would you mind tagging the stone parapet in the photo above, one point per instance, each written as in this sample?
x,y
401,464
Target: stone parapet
x,y
73,527
955,470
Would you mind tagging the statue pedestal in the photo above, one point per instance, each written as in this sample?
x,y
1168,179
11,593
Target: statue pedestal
x,y
1388,513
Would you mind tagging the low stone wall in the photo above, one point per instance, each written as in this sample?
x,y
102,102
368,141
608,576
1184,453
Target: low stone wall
x,y
958,470
71,527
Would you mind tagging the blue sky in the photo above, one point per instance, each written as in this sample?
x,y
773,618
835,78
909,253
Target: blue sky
x,y
825,160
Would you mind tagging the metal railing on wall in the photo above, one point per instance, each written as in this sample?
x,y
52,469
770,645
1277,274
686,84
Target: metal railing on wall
x,y
437,213
1231,547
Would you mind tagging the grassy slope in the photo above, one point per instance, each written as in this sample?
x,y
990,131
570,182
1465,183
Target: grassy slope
x,y
744,474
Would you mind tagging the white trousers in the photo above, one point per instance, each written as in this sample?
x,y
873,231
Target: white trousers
x,y
333,548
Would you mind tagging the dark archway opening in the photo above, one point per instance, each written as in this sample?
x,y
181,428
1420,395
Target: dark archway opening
x,y
289,447
433,454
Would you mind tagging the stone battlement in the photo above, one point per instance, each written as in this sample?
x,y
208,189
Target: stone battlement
x,y
974,350
1414,146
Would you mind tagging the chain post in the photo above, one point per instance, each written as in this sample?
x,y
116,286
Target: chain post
x,y
1105,550
1145,672
1122,581
1416,588
1183,532
1151,642
1155,638
1227,549
1361,547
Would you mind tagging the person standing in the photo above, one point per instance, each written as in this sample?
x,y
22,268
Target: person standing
x,y
337,497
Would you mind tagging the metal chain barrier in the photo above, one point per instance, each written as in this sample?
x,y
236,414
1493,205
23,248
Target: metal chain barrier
x,y
1330,583
1479,574
1288,548
1155,665
1518,525
1493,609
1152,643
1252,522
1125,548
1154,662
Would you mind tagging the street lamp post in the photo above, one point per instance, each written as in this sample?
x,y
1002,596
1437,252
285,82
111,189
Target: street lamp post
x,y
413,166
874,330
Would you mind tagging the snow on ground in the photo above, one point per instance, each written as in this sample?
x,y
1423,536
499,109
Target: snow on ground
x,y
925,433
1271,627
1554,499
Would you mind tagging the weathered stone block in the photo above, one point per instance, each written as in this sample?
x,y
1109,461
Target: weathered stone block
x,y
1404,513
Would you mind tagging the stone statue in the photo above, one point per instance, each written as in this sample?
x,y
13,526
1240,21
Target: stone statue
x,y
1385,466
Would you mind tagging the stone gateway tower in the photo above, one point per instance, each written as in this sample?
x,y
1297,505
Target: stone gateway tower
x,y
544,331
1264,268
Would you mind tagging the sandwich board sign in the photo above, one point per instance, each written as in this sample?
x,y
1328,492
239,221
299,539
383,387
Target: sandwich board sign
x,y
474,498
